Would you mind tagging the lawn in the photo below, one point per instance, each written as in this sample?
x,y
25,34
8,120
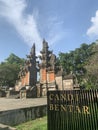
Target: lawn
x,y
38,124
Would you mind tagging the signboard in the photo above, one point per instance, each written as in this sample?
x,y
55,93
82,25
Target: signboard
x,y
73,110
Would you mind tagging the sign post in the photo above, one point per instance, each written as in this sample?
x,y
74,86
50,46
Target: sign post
x,y
73,110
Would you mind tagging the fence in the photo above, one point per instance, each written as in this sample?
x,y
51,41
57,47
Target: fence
x,y
73,110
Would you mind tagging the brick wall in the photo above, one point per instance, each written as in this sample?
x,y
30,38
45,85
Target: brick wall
x,y
25,79
51,76
46,76
43,77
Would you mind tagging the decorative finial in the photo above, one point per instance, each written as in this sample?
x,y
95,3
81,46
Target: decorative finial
x,y
33,50
45,44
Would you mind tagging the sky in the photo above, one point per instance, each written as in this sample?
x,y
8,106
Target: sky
x,y
64,24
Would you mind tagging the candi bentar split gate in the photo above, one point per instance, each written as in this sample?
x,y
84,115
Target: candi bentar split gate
x,y
73,110
40,74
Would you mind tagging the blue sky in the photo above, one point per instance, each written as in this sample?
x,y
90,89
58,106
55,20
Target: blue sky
x,y
65,24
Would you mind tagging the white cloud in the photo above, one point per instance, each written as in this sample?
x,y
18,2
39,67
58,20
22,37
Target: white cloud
x,y
32,26
93,30
25,24
55,29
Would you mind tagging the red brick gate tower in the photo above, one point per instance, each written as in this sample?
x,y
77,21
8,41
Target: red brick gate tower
x,y
47,69
28,72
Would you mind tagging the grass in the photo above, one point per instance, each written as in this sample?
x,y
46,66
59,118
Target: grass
x,y
38,124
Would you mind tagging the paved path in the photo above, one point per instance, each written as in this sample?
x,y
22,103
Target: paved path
x,y
10,104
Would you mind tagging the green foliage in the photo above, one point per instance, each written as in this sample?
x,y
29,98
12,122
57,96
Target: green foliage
x,y
8,74
13,59
92,69
79,62
38,124
9,70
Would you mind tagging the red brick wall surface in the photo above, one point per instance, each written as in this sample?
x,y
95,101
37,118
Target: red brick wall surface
x,y
43,75
25,79
51,76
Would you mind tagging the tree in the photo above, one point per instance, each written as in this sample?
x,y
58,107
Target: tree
x,y
8,74
92,69
9,70
75,61
13,59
